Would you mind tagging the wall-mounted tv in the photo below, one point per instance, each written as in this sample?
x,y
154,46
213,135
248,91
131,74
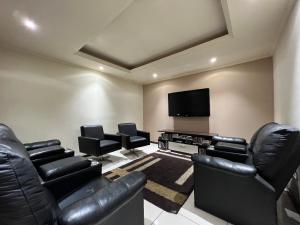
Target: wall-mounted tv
x,y
189,103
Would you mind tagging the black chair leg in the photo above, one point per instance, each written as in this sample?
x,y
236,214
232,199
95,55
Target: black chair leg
x,y
132,151
102,158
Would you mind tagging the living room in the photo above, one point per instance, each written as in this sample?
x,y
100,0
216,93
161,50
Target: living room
x,y
149,112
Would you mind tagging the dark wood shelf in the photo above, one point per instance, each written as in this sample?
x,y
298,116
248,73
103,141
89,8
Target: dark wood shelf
x,y
191,133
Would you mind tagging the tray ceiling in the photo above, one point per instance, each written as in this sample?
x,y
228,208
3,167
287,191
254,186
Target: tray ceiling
x,y
150,30
135,39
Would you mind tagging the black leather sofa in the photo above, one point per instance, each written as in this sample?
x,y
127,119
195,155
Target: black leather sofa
x,y
43,152
91,199
131,137
246,193
93,141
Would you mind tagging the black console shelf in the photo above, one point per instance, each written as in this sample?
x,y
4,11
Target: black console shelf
x,y
190,138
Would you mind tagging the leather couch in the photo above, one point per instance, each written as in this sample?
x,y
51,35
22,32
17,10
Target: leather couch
x,y
93,141
131,137
233,148
93,200
246,193
43,152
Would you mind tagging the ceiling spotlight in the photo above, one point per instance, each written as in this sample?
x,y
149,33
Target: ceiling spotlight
x,y
101,68
30,24
154,75
213,60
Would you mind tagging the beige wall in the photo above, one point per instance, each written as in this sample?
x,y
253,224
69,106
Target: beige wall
x,y
42,99
287,72
241,100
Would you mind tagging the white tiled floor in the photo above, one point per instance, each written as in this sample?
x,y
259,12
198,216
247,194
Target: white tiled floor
x,y
188,214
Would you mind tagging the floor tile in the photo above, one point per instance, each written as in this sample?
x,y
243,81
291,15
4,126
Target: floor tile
x,y
166,218
197,215
151,212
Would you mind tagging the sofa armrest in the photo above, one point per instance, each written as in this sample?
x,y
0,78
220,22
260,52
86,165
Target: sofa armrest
x,y
144,134
63,167
45,152
224,165
233,191
113,137
88,145
41,144
234,140
125,140
40,161
104,202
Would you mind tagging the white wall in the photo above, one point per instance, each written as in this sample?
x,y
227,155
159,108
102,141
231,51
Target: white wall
x,y
287,72
42,99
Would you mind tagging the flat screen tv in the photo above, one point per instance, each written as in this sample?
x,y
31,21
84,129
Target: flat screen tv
x,y
192,103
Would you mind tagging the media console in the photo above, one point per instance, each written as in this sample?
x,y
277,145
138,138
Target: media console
x,y
184,141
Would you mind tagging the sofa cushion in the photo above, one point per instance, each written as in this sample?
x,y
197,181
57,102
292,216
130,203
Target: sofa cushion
x,y
128,128
273,147
63,167
92,131
45,152
135,139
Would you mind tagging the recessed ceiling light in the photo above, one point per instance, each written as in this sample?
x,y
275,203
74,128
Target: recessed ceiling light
x,y
154,75
30,24
101,68
213,60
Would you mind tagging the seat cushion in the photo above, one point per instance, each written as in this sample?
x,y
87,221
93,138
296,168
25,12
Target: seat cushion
x,y
45,152
230,147
63,167
128,128
84,191
107,146
135,139
109,143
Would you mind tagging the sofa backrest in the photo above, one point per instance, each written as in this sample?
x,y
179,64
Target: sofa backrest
x,y
276,154
94,131
128,128
23,200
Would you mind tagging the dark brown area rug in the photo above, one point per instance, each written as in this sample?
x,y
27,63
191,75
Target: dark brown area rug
x,y
169,178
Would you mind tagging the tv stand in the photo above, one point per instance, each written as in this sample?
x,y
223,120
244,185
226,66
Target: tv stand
x,y
184,141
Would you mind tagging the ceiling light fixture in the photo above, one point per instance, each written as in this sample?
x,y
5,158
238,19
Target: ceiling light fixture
x,y
213,60
101,68
30,24
154,75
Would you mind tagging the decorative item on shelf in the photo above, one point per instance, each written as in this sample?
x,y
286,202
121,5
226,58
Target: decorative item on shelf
x,y
162,143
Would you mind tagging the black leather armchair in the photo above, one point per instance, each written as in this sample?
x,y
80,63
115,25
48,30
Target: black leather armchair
x,y
93,141
43,152
246,193
131,137
97,201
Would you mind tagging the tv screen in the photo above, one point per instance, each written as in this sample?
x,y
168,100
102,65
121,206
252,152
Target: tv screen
x,y
189,103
